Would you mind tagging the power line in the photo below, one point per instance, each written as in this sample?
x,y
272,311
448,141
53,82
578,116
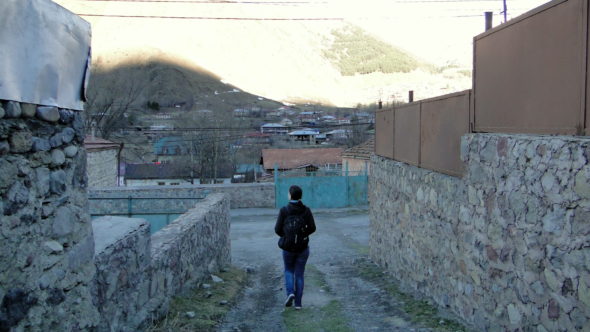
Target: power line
x,y
217,2
218,18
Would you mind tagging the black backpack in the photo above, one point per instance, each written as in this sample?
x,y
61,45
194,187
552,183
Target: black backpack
x,y
294,239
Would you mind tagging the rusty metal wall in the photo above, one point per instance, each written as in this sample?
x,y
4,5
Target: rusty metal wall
x,y
443,121
406,139
530,74
384,126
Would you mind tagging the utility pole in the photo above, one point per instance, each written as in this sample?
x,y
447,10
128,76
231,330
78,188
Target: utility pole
x,y
489,18
505,11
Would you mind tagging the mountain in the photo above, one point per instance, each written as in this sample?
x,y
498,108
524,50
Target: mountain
x,y
325,61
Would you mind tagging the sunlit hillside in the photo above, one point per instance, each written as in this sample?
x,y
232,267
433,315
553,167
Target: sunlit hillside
x,y
285,60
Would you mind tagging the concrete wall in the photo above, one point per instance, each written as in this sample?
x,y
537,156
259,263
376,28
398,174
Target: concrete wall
x,y
137,275
356,166
505,247
241,195
46,243
102,168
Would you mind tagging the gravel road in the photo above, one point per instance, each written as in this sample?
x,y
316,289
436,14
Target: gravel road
x,y
341,239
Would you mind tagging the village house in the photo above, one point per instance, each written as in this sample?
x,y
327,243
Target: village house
x,y
358,158
304,135
274,129
308,160
158,174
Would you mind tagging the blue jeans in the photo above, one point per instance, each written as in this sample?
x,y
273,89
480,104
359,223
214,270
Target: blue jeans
x,y
294,269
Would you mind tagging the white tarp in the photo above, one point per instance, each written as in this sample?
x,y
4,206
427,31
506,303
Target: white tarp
x,y
44,54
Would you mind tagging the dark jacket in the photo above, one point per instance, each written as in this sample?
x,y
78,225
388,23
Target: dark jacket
x,y
295,208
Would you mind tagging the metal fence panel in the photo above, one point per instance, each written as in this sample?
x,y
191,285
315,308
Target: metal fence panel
x,y
384,125
529,74
443,121
324,191
406,140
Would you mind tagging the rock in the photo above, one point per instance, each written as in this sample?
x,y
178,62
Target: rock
x,y
553,310
223,302
56,296
58,157
29,110
65,116
13,109
40,144
48,113
68,135
56,140
20,141
57,182
553,221
584,293
4,147
208,294
78,125
250,270
82,253
71,151
582,185
491,253
538,288
53,247
18,194
216,279
16,304
2,112
63,222
206,286
548,180
552,280
514,314
190,314
8,172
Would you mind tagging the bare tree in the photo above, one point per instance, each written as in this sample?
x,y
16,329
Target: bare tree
x,y
112,98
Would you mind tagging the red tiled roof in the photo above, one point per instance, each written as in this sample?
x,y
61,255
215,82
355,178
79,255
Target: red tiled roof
x,y
295,158
361,151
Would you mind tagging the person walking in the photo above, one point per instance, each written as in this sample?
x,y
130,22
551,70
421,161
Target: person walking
x,y
294,225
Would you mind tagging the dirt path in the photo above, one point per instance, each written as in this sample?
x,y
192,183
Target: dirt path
x,y
336,296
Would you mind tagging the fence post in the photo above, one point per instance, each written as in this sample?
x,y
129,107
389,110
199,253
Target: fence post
x,y
276,185
347,182
129,207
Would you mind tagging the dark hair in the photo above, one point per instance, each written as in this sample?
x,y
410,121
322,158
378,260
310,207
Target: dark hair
x,y
295,192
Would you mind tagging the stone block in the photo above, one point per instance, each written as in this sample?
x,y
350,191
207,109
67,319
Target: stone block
x,y
57,182
2,112
40,144
13,109
63,223
71,151
67,135
28,110
20,141
48,113
4,147
58,157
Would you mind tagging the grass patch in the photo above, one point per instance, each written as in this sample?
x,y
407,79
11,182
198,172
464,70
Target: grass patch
x,y
315,278
204,303
326,318
420,311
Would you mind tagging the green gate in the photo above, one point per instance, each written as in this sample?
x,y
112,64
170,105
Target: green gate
x,y
323,189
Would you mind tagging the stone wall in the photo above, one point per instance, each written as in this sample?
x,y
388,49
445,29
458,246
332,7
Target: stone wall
x,y
102,168
241,195
506,247
46,243
137,275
